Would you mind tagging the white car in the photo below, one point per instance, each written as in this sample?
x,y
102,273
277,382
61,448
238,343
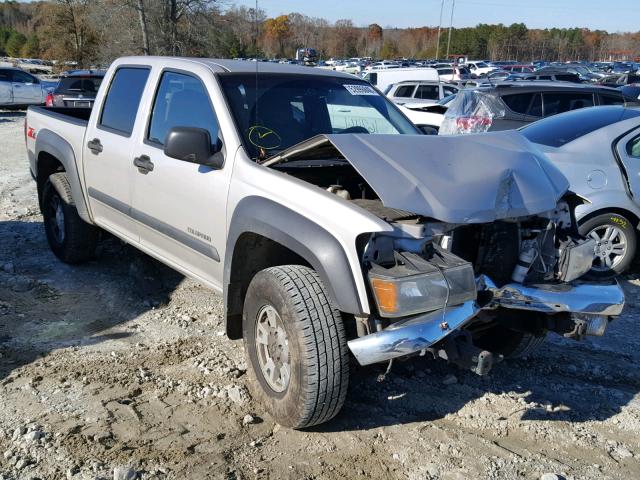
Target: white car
x,y
19,88
381,66
427,117
453,73
420,92
479,68
349,67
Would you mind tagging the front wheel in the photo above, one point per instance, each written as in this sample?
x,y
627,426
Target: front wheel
x,y
70,238
616,240
296,346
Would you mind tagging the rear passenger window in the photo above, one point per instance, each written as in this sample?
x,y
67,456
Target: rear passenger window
x,y
121,105
428,92
182,101
555,103
519,102
5,76
404,91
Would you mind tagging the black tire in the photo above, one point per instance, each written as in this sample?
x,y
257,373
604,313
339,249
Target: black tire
x,y
514,333
70,238
317,346
510,343
627,229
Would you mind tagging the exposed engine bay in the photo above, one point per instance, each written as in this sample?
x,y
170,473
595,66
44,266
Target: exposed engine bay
x,y
481,248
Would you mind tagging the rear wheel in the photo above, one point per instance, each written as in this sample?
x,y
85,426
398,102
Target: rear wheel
x,y
70,238
296,345
616,240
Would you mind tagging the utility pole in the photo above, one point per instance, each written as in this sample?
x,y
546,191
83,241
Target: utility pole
x,y
439,26
453,7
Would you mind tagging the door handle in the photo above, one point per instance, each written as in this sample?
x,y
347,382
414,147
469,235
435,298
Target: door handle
x,y
144,164
95,146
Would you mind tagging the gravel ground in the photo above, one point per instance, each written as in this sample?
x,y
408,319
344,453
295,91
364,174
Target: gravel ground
x,y
119,369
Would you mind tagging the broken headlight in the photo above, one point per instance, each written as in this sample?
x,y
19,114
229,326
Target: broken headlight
x,y
415,284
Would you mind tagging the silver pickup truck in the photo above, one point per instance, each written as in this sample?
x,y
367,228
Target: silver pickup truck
x,y
329,224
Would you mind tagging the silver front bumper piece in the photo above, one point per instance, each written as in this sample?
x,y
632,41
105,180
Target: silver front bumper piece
x,y
412,334
417,333
578,297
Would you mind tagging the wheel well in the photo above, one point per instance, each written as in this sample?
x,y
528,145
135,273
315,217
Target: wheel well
x,y
46,166
251,254
633,218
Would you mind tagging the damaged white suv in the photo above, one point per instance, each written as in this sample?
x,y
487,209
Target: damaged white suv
x,y
266,183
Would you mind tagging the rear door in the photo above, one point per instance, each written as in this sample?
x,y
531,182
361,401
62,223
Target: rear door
x,y
181,206
628,149
109,151
26,88
428,92
6,95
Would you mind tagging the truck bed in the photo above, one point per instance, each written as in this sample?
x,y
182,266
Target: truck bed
x,y
65,113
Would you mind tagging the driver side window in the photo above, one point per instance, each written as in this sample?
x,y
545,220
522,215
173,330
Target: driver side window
x,y
633,147
181,101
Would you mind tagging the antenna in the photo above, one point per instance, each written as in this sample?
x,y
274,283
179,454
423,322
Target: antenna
x,y
255,52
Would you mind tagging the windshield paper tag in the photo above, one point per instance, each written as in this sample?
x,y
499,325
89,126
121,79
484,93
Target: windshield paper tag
x,y
360,90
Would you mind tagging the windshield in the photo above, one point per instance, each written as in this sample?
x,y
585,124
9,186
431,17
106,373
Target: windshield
x,y
84,85
292,108
481,65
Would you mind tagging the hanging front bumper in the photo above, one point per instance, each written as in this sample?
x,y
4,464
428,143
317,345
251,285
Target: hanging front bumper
x,y
417,333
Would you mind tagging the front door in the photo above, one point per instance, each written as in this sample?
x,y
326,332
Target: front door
x,y
6,95
181,206
26,89
109,152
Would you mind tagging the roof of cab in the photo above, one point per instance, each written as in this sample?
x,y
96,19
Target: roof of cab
x,y
240,66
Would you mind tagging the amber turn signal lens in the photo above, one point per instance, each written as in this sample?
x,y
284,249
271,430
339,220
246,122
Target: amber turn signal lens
x,y
386,293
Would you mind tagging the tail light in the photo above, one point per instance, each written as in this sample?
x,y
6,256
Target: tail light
x,y
49,100
473,124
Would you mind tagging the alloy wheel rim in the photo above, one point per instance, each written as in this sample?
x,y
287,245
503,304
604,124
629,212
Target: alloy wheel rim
x,y
611,247
272,346
56,220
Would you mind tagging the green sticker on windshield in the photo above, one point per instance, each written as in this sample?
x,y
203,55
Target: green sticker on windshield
x,y
263,137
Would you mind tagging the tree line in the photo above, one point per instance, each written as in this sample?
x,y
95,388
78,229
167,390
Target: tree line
x,y
94,32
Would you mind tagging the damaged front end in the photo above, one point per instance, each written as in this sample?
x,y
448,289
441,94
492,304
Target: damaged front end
x,y
484,240
440,287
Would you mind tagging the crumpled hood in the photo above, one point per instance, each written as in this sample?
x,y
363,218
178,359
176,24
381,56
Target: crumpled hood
x,y
455,179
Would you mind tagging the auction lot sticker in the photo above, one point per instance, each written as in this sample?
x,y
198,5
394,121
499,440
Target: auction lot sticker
x,y
360,90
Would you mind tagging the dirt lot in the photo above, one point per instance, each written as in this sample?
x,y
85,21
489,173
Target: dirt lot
x,y
121,365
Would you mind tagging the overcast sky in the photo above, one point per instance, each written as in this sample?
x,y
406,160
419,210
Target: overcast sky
x,y
611,15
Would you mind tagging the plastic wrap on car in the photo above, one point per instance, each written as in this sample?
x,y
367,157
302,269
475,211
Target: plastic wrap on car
x,y
472,111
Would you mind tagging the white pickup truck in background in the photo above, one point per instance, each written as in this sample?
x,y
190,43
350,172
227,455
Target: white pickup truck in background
x,y
266,183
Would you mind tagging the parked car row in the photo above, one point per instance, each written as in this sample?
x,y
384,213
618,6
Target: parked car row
x,y
77,88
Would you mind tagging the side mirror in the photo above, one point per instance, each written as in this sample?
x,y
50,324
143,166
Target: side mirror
x,y
191,144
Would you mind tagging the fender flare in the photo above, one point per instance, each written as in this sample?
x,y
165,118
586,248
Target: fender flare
x,y
299,234
56,146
